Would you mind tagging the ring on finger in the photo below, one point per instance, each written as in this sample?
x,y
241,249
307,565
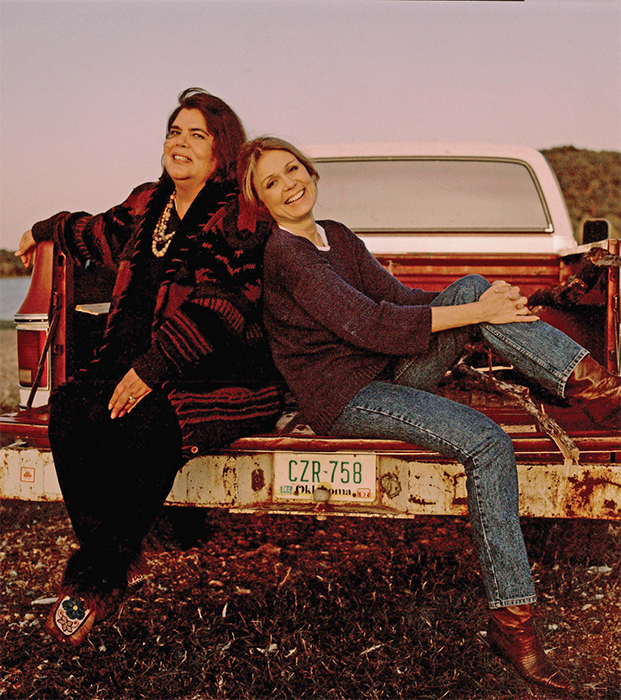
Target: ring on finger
x,y
131,399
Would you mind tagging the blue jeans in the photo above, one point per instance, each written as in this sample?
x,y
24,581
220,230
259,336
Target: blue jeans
x,y
406,409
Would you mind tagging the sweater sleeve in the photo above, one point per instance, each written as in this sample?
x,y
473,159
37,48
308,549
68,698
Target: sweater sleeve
x,y
379,326
95,238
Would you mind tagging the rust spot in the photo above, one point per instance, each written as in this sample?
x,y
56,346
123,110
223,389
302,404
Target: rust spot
x,y
391,485
420,501
258,479
229,478
586,486
580,504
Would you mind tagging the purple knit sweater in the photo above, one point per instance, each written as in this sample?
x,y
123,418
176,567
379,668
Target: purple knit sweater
x,y
336,318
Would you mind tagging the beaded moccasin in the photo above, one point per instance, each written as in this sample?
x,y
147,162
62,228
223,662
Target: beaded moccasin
x,y
70,619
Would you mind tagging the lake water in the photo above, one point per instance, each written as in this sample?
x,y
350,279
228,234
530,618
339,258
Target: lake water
x,y
12,293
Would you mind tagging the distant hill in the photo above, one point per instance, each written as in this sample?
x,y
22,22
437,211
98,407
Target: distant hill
x,y
590,181
591,184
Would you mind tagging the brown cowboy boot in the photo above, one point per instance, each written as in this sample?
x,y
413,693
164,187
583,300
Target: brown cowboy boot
x,y
598,391
511,633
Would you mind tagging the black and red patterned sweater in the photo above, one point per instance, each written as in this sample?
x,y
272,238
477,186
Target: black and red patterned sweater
x,y
206,347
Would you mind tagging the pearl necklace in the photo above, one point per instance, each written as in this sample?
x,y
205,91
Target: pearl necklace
x,y
161,240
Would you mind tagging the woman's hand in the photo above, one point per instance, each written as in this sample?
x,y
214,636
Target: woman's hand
x,y
503,303
27,247
129,391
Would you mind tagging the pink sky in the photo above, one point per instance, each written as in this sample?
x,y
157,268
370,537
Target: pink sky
x,y
86,85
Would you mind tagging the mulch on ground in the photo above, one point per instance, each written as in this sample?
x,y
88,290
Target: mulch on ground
x,y
241,606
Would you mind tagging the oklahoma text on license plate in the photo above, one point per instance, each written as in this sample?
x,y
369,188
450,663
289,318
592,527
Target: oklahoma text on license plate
x,y
352,476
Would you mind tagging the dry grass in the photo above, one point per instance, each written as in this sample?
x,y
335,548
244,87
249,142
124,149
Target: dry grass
x,y
238,606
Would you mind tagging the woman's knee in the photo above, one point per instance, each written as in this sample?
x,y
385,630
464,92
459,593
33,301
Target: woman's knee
x,y
475,285
76,404
465,290
493,446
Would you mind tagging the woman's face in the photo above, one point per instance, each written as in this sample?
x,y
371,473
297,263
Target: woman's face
x,y
285,187
188,150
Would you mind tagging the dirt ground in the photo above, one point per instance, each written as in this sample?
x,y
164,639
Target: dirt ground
x,y
240,606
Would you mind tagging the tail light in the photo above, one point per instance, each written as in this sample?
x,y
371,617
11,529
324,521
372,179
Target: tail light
x,y
37,324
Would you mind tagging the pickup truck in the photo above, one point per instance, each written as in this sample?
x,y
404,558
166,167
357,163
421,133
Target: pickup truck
x,y
430,213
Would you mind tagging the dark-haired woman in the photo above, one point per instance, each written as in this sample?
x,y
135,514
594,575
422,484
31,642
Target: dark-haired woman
x,y
364,355
184,366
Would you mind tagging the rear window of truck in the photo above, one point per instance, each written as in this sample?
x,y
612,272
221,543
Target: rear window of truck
x,y
375,195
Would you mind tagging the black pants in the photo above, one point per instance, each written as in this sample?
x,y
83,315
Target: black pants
x,y
114,476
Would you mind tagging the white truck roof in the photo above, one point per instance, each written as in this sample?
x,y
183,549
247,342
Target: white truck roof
x,y
468,198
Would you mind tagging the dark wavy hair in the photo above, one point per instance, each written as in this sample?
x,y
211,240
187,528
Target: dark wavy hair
x,y
248,160
222,123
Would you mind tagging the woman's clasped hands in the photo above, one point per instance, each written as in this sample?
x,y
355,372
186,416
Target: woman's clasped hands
x,y
504,303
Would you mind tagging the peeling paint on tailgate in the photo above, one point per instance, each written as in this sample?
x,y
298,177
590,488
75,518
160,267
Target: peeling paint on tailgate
x,y
410,487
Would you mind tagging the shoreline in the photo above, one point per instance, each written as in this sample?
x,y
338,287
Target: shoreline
x,y
10,266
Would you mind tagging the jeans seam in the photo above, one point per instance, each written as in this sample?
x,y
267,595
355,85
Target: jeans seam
x,y
404,369
535,358
484,538
559,377
524,600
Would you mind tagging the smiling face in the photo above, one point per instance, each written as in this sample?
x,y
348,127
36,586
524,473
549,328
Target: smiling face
x,y
285,187
188,151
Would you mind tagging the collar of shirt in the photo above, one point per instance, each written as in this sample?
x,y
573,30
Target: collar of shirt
x,y
322,234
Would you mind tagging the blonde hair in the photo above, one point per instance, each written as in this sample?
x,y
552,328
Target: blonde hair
x,y
248,161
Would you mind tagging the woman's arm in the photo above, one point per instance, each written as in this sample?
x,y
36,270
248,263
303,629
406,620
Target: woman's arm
x,y
84,237
504,304
210,313
501,303
315,286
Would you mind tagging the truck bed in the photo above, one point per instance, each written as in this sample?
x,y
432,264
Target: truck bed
x,y
411,481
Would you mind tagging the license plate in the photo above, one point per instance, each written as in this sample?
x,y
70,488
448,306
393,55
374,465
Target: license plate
x,y
351,476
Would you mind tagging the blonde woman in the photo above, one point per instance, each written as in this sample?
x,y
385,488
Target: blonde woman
x,y
364,354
